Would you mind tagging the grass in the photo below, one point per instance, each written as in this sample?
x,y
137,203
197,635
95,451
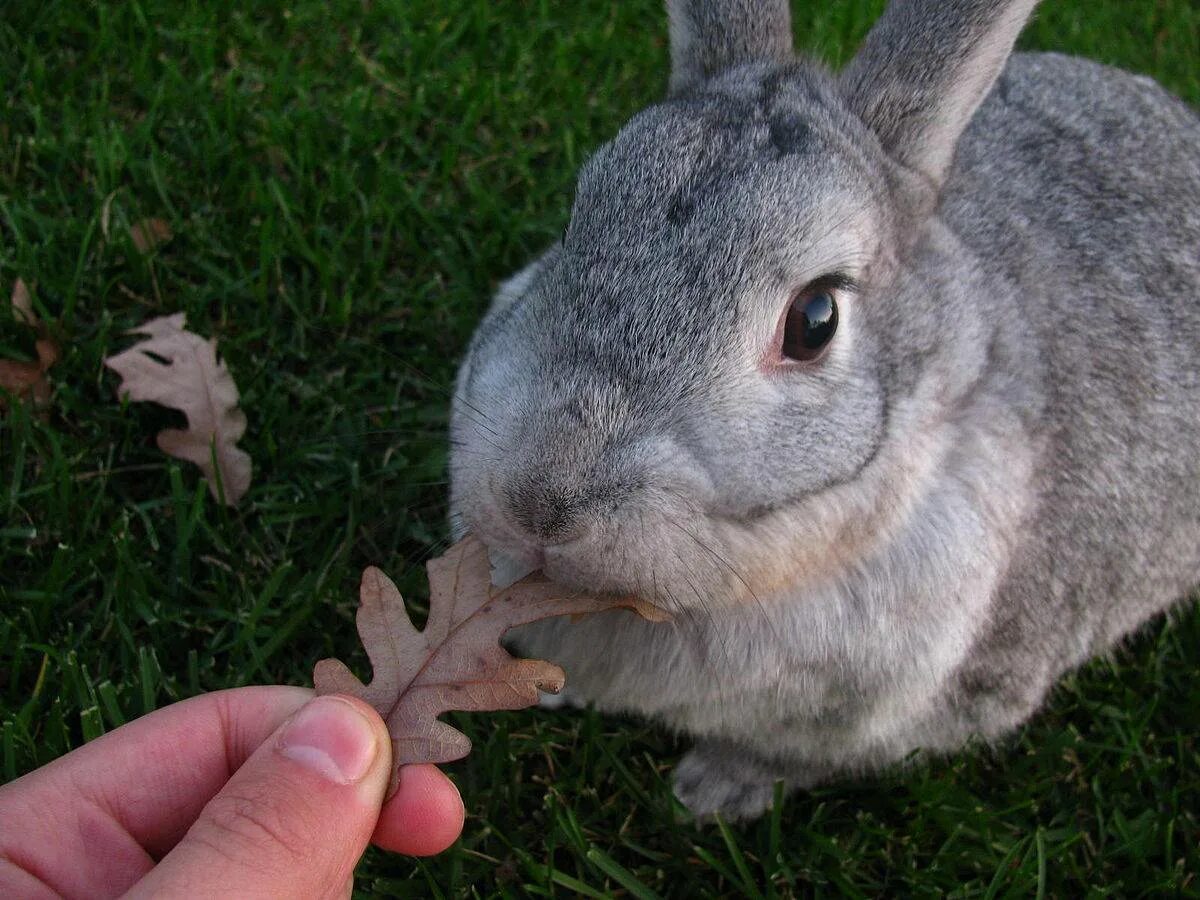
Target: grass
x,y
346,182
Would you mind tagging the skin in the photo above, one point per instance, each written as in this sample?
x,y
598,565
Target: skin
x,y
253,792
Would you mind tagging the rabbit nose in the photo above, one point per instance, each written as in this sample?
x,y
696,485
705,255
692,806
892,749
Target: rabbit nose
x,y
553,515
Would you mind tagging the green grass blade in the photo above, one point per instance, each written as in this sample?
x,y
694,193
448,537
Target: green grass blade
x,y
620,874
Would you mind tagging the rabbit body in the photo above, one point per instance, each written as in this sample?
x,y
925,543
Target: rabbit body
x,y
991,476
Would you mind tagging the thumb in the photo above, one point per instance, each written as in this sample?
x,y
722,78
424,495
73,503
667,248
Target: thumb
x,y
294,819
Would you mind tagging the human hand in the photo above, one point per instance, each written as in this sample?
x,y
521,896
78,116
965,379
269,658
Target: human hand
x,y
251,792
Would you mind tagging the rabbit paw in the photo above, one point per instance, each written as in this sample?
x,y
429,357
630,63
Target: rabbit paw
x,y
720,779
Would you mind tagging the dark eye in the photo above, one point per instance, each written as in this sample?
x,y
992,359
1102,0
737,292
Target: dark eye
x,y
811,321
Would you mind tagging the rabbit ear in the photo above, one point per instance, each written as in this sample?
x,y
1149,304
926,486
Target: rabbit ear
x,y
923,71
710,35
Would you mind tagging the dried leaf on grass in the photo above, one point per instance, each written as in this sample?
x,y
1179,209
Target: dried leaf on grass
x,y
179,369
147,234
457,662
22,304
27,380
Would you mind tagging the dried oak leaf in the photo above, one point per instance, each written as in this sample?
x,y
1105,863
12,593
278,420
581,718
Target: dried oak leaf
x,y
22,304
179,369
27,380
457,662
147,234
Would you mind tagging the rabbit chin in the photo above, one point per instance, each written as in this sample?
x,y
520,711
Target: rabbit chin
x,y
673,565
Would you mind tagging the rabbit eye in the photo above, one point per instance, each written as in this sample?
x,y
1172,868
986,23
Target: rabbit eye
x,y
811,322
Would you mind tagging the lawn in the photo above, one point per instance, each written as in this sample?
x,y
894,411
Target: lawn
x,y
346,182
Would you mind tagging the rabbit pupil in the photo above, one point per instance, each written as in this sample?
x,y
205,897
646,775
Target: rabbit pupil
x,y
811,322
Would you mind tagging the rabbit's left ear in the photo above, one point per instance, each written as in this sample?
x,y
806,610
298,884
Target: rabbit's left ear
x,y
923,71
710,35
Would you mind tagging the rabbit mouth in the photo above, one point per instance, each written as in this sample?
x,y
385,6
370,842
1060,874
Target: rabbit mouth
x,y
508,569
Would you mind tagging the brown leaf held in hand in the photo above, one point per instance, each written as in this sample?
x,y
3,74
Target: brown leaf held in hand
x,y
457,662
195,382
27,380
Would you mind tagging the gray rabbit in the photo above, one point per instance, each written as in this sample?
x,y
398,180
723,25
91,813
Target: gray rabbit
x,y
883,381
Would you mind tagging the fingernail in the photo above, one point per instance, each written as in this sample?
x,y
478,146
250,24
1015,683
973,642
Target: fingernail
x,y
332,738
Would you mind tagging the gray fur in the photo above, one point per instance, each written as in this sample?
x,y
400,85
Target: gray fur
x,y
707,38
991,477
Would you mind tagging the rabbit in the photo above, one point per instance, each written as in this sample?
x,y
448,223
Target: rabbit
x,y
882,382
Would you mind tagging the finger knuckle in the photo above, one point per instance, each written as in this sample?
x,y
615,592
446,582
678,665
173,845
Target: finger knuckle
x,y
247,823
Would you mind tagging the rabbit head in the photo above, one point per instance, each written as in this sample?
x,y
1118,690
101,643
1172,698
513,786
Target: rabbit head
x,y
720,383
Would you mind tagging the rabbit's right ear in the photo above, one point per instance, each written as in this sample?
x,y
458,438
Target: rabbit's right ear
x,y
923,71
710,35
